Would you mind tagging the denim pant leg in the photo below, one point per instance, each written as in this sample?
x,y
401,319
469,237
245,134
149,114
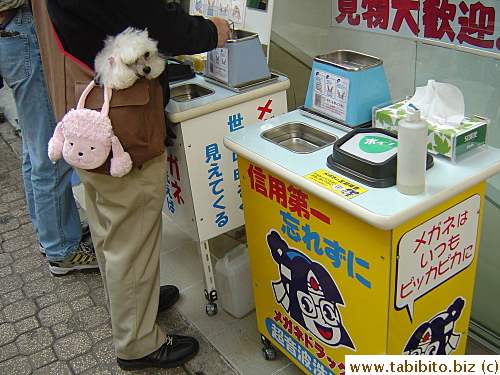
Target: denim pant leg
x,y
49,195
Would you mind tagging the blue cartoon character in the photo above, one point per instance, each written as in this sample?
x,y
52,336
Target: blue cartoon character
x,y
211,8
308,293
436,336
198,6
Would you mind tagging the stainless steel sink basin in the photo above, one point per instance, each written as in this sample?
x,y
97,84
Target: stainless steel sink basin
x,y
189,91
299,137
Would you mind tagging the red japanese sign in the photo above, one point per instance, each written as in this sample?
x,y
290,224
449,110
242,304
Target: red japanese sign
x,y
462,22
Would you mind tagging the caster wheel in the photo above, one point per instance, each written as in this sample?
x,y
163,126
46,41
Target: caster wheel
x,y
211,309
265,341
269,353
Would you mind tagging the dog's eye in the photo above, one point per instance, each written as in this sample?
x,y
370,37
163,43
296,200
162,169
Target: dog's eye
x,y
146,55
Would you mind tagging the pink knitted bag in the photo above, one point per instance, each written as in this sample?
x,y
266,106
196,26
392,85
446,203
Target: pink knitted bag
x,y
85,137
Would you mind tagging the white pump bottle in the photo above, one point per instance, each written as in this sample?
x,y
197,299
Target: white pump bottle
x,y
412,153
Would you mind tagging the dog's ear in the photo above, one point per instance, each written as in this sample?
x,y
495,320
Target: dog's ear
x,y
113,73
56,144
121,162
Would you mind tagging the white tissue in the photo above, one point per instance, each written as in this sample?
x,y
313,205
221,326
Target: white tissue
x,y
440,102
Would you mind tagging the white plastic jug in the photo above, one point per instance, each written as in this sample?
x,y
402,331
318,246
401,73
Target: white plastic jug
x,y
234,282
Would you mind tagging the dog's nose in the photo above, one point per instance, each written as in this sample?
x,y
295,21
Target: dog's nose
x,y
147,70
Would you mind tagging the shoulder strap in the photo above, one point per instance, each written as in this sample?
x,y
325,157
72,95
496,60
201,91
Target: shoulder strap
x,y
85,93
61,69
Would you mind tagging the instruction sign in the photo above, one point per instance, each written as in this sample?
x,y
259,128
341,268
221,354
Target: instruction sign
x,y
330,94
218,66
335,183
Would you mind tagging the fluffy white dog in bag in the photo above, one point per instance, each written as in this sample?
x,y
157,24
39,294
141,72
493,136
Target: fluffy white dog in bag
x,y
126,57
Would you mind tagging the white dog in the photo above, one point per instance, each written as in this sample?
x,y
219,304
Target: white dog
x,y
126,57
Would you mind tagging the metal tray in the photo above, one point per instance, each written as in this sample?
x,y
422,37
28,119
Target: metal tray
x,y
246,87
299,137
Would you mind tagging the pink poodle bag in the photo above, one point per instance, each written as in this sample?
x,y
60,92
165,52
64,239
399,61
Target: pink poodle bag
x,y
84,138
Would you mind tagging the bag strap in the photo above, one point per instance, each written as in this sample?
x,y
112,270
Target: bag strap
x,y
107,97
61,69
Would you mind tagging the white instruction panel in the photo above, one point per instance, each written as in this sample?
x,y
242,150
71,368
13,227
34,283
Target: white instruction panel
x,y
330,94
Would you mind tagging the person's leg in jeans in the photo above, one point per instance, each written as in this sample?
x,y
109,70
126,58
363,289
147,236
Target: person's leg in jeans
x,y
49,195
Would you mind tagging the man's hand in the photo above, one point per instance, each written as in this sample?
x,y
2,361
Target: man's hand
x,y
223,30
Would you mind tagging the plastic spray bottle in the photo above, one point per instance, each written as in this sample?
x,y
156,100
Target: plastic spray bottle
x,y
412,152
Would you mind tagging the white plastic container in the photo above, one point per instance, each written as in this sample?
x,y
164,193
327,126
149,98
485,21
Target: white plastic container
x,y
412,153
234,282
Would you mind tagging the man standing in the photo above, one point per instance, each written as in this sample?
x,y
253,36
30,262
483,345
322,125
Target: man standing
x,y
125,214
49,196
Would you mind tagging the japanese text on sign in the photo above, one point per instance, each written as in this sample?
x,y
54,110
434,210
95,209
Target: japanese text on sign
x,y
297,342
435,251
337,184
462,22
338,256
296,203
215,178
174,191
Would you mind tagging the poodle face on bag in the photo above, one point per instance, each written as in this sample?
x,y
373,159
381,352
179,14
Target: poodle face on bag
x,y
126,57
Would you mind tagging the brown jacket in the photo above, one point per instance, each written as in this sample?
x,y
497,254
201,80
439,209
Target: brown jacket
x,y
137,113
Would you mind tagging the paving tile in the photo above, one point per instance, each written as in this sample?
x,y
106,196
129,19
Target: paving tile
x,y
36,274
27,324
101,332
7,333
73,290
19,365
57,313
81,303
65,328
43,358
6,271
8,351
16,243
72,346
5,259
83,363
99,297
93,317
105,352
13,296
59,368
34,341
19,310
47,300
101,370
23,253
10,283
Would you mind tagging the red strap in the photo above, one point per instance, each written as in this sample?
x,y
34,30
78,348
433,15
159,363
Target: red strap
x,y
61,48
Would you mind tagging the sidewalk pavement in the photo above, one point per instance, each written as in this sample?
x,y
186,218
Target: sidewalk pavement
x,y
60,325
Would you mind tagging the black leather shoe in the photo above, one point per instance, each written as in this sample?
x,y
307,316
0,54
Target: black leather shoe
x,y
176,351
169,295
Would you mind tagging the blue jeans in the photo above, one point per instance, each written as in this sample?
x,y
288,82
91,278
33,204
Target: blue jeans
x,y
51,204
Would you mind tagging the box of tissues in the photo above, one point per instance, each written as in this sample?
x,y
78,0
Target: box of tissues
x,y
450,132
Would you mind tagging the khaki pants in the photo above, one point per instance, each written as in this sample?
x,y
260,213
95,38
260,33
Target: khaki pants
x,y
125,217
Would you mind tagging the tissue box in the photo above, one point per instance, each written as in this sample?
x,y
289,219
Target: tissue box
x,y
445,140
